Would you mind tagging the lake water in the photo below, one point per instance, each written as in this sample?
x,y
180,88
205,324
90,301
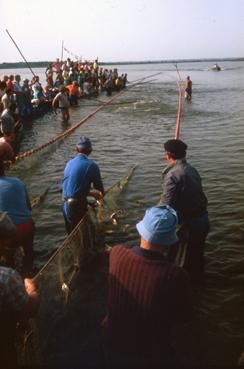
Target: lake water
x,y
132,130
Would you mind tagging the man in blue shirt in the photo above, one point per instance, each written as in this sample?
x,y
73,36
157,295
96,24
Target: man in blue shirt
x,y
14,200
79,174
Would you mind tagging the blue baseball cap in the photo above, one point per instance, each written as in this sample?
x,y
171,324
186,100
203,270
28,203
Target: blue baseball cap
x,y
158,226
84,143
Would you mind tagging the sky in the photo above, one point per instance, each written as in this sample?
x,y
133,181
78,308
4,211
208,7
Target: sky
x,y
121,30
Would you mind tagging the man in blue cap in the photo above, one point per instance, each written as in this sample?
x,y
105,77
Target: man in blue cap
x,y
79,174
147,295
182,189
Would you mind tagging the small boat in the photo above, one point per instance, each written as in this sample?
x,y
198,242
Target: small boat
x,y
216,68
36,110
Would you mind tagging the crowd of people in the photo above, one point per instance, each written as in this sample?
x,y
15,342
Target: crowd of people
x,y
65,82
148,293
81,79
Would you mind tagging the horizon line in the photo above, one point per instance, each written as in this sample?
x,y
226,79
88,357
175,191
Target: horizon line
x,y
143,61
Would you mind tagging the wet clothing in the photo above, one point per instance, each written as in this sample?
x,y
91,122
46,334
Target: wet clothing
x,y
182,190
147,297
79,174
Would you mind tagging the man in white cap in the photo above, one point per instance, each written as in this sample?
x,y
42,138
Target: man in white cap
x,y
79,174
147,295
18,299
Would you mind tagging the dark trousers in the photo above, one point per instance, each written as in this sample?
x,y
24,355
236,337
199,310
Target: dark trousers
x,y
8,353
73,212
194,233
189,252
73,100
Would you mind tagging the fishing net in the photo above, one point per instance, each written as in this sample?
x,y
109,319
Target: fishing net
x,y
72,286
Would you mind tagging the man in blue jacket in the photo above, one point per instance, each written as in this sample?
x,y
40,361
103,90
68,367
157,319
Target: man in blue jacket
x,y
79,174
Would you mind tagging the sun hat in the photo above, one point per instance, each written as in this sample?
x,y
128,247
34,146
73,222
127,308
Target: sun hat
x,y
84,143
158,226
7,227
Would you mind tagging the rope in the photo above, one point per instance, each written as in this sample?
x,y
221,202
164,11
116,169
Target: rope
x,y
59,249
177,130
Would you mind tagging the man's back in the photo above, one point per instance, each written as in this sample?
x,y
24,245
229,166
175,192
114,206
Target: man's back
x,y
13,199
79,173
183,189
147,296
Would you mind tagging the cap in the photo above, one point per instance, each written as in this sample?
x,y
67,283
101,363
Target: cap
x,y
176,147
84,143
7,227
158,226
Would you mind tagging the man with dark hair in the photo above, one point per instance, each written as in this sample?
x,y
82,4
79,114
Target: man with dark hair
x,y
18,299
147,296
79,174
182,189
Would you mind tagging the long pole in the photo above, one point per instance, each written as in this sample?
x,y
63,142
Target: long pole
x,y
62,51
20,53
176,66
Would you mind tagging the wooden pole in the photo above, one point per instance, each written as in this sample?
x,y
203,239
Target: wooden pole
x,y
20,53
62,51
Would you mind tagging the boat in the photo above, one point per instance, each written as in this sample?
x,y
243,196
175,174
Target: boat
x,y
216,68
36,110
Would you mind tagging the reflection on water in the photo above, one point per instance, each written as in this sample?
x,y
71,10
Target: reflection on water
x,y
130,131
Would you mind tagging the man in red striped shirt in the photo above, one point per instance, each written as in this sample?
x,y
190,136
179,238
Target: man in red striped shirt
x,y
147,295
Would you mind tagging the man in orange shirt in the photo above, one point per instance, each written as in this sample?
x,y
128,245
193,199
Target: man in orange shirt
x,y
74,93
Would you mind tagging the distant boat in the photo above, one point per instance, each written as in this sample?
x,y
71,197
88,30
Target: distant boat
x,y
216,68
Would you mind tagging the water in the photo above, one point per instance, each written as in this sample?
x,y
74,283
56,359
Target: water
x,y
131,130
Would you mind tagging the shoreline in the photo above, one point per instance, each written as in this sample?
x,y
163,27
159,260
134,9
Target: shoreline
x,y
43,64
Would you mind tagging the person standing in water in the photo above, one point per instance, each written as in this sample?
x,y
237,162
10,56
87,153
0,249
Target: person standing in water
x,y
147,296
61,100
79,174
182,190
188,88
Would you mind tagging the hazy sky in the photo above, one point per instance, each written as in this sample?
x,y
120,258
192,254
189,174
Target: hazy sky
x,y
122,30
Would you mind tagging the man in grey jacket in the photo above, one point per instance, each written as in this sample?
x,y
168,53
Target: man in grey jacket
x,y
182,190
